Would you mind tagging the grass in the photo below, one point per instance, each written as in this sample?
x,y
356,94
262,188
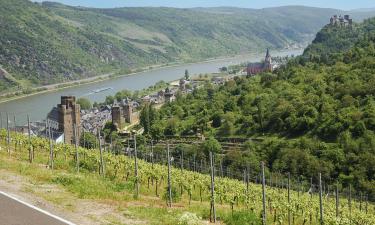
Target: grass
x,y
90,186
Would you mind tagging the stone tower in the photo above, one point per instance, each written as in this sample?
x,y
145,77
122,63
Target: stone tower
x,y
128,111
117,118
69,114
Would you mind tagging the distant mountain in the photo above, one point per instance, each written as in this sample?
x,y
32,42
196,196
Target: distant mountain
x,y
49,43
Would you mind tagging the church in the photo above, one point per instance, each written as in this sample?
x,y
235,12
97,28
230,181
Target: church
x,y
256,68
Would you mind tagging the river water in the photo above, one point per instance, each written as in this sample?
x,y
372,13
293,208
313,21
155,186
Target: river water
x,y
37,106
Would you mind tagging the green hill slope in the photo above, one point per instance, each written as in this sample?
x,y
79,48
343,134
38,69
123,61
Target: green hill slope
x,y
50,43
312,116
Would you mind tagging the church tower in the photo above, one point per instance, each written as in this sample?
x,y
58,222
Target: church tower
x,y
268,61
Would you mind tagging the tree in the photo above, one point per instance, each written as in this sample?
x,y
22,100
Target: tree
x,y
123,94
211,145
84,103
187,76
109,100
88,140
147,117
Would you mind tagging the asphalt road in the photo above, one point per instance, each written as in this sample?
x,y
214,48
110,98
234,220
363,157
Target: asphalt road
x,y
16,212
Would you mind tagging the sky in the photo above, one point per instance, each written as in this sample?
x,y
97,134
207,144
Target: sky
x,y
338,4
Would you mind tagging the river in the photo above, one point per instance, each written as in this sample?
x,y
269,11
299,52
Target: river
x,y
37,106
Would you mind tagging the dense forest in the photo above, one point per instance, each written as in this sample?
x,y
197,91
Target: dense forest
x,y
46,43
309,116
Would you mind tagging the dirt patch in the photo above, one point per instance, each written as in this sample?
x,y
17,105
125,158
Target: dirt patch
x,y
58,201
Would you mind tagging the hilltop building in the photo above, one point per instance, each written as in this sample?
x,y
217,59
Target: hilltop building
x,y
61,119
345,21
266,66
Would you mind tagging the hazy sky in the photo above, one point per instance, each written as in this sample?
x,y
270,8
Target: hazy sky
x,y
339,4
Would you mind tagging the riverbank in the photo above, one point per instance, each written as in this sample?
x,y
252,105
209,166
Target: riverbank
x,y
113,75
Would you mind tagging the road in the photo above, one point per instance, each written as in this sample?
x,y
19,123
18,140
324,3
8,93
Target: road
x,y
16,212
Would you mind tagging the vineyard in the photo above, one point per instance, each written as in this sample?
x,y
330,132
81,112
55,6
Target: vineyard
x,y
284,204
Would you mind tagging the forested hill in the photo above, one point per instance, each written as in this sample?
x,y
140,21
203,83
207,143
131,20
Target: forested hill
x,y
48,43
312,116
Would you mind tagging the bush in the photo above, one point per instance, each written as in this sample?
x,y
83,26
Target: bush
x,y
189,219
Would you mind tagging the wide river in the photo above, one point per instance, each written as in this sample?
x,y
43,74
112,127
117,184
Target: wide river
x,y
37,106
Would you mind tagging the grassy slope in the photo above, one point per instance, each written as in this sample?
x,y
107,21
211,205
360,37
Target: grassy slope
x,y
117,188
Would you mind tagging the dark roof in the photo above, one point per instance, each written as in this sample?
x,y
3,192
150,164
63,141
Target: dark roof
x,y
53,114
255,65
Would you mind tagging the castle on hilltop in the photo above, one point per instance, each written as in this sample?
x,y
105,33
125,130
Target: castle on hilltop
x,y
266,66
345,21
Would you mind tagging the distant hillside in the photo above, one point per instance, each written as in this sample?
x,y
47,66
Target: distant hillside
x,y
50,42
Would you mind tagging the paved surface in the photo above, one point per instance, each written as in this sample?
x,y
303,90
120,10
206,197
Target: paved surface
x,y
16,212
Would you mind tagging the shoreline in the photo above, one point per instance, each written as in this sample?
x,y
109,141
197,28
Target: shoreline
x,y
109,76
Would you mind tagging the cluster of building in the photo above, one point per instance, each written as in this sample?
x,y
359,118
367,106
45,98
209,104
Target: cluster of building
x,y
95,118
67,121
342,21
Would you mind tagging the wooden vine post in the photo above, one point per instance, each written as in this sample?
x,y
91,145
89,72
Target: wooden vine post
x,y
31,150
169,178
289,216
264,216
101,170
75,129
8,135
321,199
212,210
136,167
50,145
337,201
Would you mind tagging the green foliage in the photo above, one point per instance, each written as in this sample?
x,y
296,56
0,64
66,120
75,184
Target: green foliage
x,y
311,116
48,43
242,218
176,195
84,103
212,145
88,140
147,118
